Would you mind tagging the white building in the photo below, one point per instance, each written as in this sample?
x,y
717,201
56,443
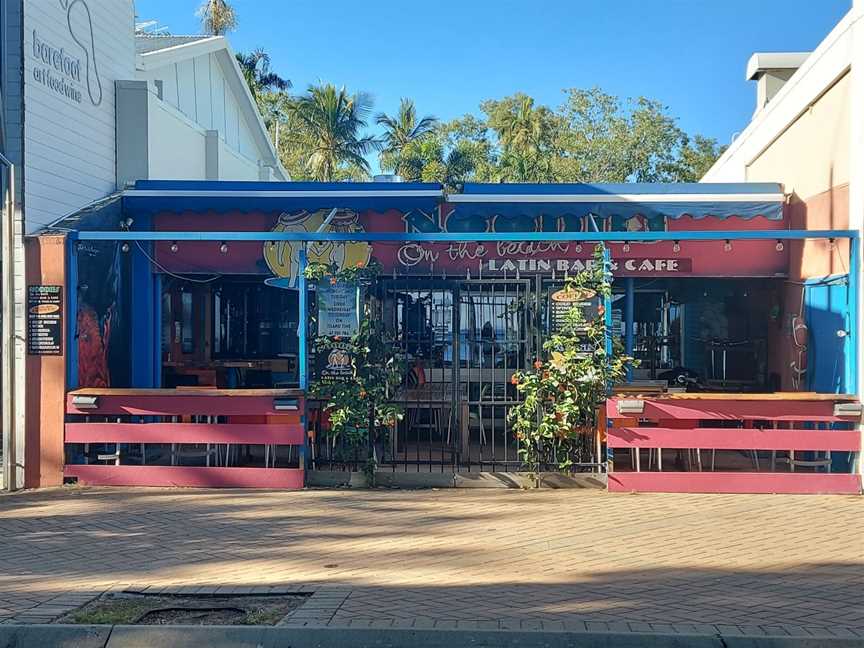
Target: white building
x,y
87,107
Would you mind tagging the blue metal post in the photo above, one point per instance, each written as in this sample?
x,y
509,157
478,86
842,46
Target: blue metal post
x,y
629,317
852,354
72,312
607,301
302,334
157,328
143,334
303,321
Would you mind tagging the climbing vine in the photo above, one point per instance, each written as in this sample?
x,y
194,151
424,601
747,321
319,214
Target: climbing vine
x,y
360,410
557,415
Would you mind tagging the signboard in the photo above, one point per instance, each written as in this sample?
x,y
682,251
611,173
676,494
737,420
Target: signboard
x,y
334,364
562,301
45,320
338,309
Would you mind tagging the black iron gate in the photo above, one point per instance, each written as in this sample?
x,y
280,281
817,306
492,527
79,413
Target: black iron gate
x,y
462,341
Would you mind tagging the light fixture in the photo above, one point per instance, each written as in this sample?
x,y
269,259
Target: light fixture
x,y
285,404
727,246
85,402
174,247
676,247
779,246
223,248
851,410
631,406
626,247
124,247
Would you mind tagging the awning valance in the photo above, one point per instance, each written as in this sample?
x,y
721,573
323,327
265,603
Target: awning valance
x,y
621,202
155,196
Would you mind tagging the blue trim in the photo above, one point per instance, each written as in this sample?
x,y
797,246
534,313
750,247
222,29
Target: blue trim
x,y
853,356
442,237
302,322
72,312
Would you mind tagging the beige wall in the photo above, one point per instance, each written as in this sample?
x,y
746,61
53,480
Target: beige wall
x,y
811,159
812,154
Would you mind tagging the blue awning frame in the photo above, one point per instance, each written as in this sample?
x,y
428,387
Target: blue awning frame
x,y
621,202
150,197
618,202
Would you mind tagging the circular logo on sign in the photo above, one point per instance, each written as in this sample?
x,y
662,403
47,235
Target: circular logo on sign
x,y
573,294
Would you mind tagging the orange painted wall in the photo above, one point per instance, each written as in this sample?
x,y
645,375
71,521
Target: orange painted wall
x,y
46,375
828,210
807,260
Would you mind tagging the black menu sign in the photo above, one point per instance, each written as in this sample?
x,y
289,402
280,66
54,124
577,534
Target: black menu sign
x,y
45,320
561,302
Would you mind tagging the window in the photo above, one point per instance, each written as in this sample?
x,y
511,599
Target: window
x,y
252,320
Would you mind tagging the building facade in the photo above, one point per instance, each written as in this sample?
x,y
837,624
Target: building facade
x,y
89,106
805,134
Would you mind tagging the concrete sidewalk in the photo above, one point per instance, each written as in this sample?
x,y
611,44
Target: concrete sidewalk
x,y
474,561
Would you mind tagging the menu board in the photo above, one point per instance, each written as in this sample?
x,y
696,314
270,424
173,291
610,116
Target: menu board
x,y
561,301
45,320
338,309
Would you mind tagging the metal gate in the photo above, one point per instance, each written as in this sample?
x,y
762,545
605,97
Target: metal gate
x,y
462,341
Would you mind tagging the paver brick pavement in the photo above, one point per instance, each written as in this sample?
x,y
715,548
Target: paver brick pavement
x,y
452,558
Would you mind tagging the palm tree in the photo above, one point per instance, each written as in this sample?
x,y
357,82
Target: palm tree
x,y
401,130
523,128
217,17
256,70
331,121
428,161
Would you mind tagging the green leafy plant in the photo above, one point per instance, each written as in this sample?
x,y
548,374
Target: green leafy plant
x,y
360,410
557,417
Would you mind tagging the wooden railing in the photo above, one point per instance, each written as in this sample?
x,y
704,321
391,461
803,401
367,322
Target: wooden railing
x,y
795,432
172,425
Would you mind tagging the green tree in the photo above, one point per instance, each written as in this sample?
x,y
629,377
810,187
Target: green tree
x,y
330,121
217,17
430,160
606,139
401,130
698,154
255,67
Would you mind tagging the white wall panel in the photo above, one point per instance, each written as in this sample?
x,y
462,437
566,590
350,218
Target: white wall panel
x,y
186,87
176,146
69,75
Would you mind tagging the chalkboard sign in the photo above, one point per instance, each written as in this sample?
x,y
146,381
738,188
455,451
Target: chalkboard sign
x,y
562,301
45,320
338,308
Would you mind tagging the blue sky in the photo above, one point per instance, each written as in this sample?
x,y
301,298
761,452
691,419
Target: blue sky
x,y
449,55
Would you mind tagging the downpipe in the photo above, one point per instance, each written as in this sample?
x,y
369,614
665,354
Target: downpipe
x,y
9,368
